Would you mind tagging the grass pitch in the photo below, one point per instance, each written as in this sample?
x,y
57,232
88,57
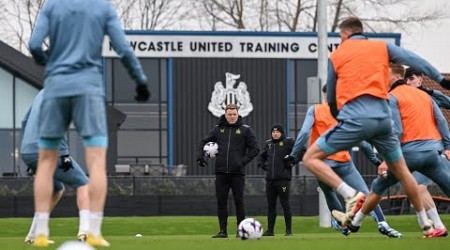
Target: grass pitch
x,y
189,232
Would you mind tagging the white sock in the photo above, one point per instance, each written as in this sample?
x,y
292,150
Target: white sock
x,y
95,223
358,219
346,191
84,221
434,216
41,224
31,233
422,218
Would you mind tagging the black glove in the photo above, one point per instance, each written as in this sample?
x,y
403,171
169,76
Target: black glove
x,y
289,161
202,163
445,83
142,93
378,163
66,163
428,91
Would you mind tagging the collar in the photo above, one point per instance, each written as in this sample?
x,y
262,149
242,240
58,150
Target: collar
x,y
358,35
397,83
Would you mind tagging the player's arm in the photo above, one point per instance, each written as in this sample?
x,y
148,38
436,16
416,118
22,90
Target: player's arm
x,y
367,150
252,147
406,57
303,135
442,100
38,36
331,89
262,158
442,126
397,120
123,48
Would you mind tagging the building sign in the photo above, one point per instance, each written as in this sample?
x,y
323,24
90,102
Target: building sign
x,y
226,46
229,94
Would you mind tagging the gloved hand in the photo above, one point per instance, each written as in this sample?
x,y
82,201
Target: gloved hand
x,y
378,163
445,83
66,163
142,93
289,161
428,91
201,162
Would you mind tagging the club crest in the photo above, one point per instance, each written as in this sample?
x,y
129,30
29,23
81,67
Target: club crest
x,y
222,96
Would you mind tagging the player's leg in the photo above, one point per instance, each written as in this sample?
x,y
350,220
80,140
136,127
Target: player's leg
x,y
342,137
351,175
238,188
75,177
283,192
53,123
89,116
222,185
271,207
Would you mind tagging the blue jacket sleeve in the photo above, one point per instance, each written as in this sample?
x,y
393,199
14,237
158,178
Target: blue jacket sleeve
x,y
406,57
441,100
442,126
39,34
397,127
304,133
331,89
367,150
123,48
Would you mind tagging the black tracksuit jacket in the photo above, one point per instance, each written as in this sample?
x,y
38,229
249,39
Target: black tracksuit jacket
x,y
237,146
271,158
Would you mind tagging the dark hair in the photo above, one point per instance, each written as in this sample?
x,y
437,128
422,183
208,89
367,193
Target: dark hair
x,y
324,89
231,106
410,72
353,24
397,69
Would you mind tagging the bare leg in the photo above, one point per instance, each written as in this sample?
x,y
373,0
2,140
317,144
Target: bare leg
x,y
83,208
96,162
313,160
43,188
430,207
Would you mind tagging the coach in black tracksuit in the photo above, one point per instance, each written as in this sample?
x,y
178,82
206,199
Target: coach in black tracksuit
x,y
237,147
278,176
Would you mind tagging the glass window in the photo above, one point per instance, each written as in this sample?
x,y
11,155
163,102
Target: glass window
x,y
140,116
6,99
25,94
138,143
6,151
124,86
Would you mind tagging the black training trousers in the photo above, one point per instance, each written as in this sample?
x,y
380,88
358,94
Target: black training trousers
x,y
225,182
275,189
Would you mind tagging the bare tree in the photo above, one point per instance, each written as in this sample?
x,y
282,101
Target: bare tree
x,y
383,15
227,12
17,22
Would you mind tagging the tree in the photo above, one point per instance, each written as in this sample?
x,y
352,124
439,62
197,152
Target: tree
x,y
17,22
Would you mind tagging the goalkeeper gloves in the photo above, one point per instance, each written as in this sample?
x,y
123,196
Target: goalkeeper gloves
x,y
142,93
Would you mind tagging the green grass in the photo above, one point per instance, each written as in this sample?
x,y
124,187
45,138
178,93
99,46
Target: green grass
x,y
189,232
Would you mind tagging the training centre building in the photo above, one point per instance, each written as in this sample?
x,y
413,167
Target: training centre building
x,y
152,148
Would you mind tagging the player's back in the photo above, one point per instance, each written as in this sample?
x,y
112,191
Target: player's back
x,y
76,29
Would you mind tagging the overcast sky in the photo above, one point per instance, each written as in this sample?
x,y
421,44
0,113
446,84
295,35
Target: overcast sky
x,y
432,42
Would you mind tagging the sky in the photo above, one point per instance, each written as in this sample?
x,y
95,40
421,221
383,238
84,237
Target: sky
x,y
431,42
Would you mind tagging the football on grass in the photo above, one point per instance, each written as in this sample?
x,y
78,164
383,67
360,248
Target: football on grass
x,y
250,229
211,149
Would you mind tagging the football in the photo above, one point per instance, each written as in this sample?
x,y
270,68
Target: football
x,y
210,149
250,229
